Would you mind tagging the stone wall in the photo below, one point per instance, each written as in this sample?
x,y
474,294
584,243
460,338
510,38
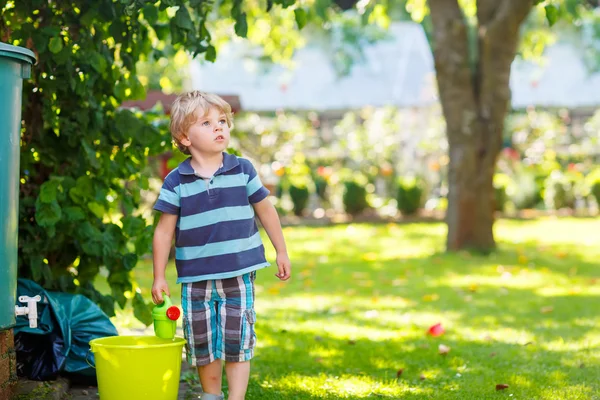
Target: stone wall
x,y
8,372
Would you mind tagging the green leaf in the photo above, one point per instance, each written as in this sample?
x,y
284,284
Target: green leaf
x,y
536,2
82,191
132,226
48,191
98,62
36,263
551,14
141,310
55,45
150,13
211,54
129,261
301,17
183,19
47,214
90,154
97,209
241,25
119,295
74,213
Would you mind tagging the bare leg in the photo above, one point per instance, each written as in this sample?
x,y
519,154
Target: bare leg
x,y
211,377
238,374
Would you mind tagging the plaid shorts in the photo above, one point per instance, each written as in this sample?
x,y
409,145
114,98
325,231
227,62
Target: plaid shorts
x,y
218,319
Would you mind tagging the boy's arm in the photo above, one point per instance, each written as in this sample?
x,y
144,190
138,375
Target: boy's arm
x,y
161,246
267,214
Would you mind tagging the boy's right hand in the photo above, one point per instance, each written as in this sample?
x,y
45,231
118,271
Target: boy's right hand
x,y
158,287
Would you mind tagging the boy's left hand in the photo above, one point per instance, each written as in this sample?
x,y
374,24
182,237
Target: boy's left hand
x,y
285,267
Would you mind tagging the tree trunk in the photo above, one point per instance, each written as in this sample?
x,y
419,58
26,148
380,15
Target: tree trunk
x,y
473,82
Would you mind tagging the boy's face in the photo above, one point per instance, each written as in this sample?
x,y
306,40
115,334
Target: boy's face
x,y
210,132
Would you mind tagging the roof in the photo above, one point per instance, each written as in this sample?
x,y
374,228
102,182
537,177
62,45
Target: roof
x,y
155,96
397,71
561,81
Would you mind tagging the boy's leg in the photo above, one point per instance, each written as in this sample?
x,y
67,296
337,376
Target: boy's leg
x,y
238,374
236,311
200,324
211,377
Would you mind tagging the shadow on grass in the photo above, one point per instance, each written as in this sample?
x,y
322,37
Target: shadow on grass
x,y
472,369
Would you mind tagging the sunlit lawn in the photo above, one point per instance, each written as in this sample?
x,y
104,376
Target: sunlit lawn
x,y
363,296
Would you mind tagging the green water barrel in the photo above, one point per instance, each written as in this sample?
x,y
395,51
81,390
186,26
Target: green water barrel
x,y
15,65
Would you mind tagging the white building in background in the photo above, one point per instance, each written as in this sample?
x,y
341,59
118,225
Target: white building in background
x,y
398,71
562,80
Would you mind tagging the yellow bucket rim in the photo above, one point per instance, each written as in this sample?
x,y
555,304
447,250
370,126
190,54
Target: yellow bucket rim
x,y
101,342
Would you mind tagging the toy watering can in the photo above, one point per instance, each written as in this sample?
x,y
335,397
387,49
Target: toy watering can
x,y
165,316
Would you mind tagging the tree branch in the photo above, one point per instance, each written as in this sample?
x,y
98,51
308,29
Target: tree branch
x,y
499,25
507,14
451,55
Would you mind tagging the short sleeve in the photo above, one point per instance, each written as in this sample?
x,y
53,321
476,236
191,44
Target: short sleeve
x,y
168,199
255,189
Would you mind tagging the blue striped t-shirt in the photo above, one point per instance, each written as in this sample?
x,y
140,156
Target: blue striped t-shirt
x,y
216,235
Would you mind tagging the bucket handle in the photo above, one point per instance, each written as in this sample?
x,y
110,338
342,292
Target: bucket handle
x,y
86,358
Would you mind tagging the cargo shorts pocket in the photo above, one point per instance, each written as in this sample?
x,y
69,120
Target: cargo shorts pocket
x,y
248,333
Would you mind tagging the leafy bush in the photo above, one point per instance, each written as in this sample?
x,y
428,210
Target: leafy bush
x,y
321,187
593,184
559,191
354,197
527,191
299,195
502,183
409,195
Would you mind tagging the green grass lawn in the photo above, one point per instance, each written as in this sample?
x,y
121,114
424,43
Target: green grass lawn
x,y
363,296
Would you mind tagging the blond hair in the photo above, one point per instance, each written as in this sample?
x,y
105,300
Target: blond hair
x,y
183,113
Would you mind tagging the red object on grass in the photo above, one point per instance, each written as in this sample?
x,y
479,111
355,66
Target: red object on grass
x,y
436,330
173,313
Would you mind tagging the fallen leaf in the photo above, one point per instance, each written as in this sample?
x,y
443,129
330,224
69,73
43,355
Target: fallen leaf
x,y
547,309
501,386
582,365
399,373
523,259
273,290
422,377
443,349
352,342
369,257
436,330
431,297
493,355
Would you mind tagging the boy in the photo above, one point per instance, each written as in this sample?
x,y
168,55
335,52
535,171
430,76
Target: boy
x,y
208,202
